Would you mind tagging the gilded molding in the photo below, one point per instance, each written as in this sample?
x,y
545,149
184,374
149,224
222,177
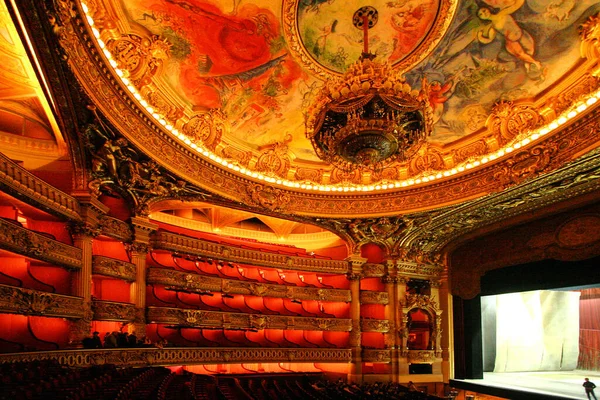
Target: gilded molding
x,y
226,320
186,245
149,137
420,301
376,355
374,325
115,228
370,270
183,280
421,356
16,300
113,311
112,267
372,297
419,269
180,355
31,244
31,189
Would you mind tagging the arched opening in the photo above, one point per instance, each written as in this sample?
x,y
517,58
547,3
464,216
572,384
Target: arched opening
x,y
419,329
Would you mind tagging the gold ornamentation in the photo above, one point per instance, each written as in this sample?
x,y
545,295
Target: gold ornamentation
x,y
141,58
268,197
17,300
508,120
371,270
585,86
340,176
372,297
22,184
309,175
217,319
274,159
206,129
590,38
374,325
376,356
115,228
141,357
197,247
138,247
107,266
470,151
420,301
421,356
237,156
113,311
35,245
430,160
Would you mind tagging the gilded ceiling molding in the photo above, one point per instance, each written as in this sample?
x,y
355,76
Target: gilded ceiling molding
x,y
112,99
115,228
140,357
372,297
184,281
374,325
376,355
22,184
114,268
113,311
16,300
218,319
197,247
118,167
38,246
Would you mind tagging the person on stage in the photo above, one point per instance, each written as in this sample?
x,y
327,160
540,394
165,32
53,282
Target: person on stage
x,y
589,388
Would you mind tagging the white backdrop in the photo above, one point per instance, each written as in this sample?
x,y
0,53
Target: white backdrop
x,y
536,331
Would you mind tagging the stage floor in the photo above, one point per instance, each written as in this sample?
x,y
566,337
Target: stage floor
x,y
563,384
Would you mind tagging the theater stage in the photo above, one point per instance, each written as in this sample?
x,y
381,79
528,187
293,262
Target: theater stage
x,y
531,385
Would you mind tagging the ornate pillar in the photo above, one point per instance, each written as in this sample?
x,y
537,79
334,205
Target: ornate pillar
x,y
446,327
402,338
390,281
83,234
138,250
356,263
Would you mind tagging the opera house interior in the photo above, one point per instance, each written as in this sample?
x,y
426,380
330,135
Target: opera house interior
x,y
252,199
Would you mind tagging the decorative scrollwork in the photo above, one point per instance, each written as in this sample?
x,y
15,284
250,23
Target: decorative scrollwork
x,y
33,302
113,311
107,266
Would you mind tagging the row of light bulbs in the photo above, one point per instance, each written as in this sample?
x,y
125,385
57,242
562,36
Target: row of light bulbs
x,y
532,137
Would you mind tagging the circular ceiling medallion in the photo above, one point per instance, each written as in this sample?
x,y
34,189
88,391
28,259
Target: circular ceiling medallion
x,y
579,232
324,37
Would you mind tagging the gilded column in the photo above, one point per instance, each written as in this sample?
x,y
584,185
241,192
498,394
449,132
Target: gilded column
x,y
138,251
83,234
354,275
390,282
445,340
402,338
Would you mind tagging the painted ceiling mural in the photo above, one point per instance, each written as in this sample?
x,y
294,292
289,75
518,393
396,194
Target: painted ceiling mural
x,y
234,55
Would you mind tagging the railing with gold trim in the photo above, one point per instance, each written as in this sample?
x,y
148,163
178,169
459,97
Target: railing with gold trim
x,y
115,228
182,244
374,325
35,245
372,297
16,300
31,189
421,356
181,356
112,267
377,355
113,311
227,320
200,283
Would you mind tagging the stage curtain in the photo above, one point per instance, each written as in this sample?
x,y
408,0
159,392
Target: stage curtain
x,y
537,331
589,334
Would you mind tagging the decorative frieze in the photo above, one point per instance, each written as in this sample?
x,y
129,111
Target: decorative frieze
x,y
372,297
374,325
376,355
113,311
419,269
218,319
198,283
115,228
420,356
186,245
114,268
31,189
180,356
16,300
35,245
370,270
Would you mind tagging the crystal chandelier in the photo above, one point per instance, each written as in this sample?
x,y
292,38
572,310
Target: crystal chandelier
x,y
370,117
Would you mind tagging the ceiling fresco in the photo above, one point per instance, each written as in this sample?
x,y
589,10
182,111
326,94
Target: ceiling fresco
x,y
234,56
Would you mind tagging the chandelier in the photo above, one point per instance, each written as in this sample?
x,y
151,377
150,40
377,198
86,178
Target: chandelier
x,y
370,117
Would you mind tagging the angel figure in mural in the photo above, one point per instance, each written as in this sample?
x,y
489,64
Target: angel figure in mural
x,y
517,41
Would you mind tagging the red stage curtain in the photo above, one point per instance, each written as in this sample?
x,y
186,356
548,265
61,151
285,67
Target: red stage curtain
x,y
589,330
